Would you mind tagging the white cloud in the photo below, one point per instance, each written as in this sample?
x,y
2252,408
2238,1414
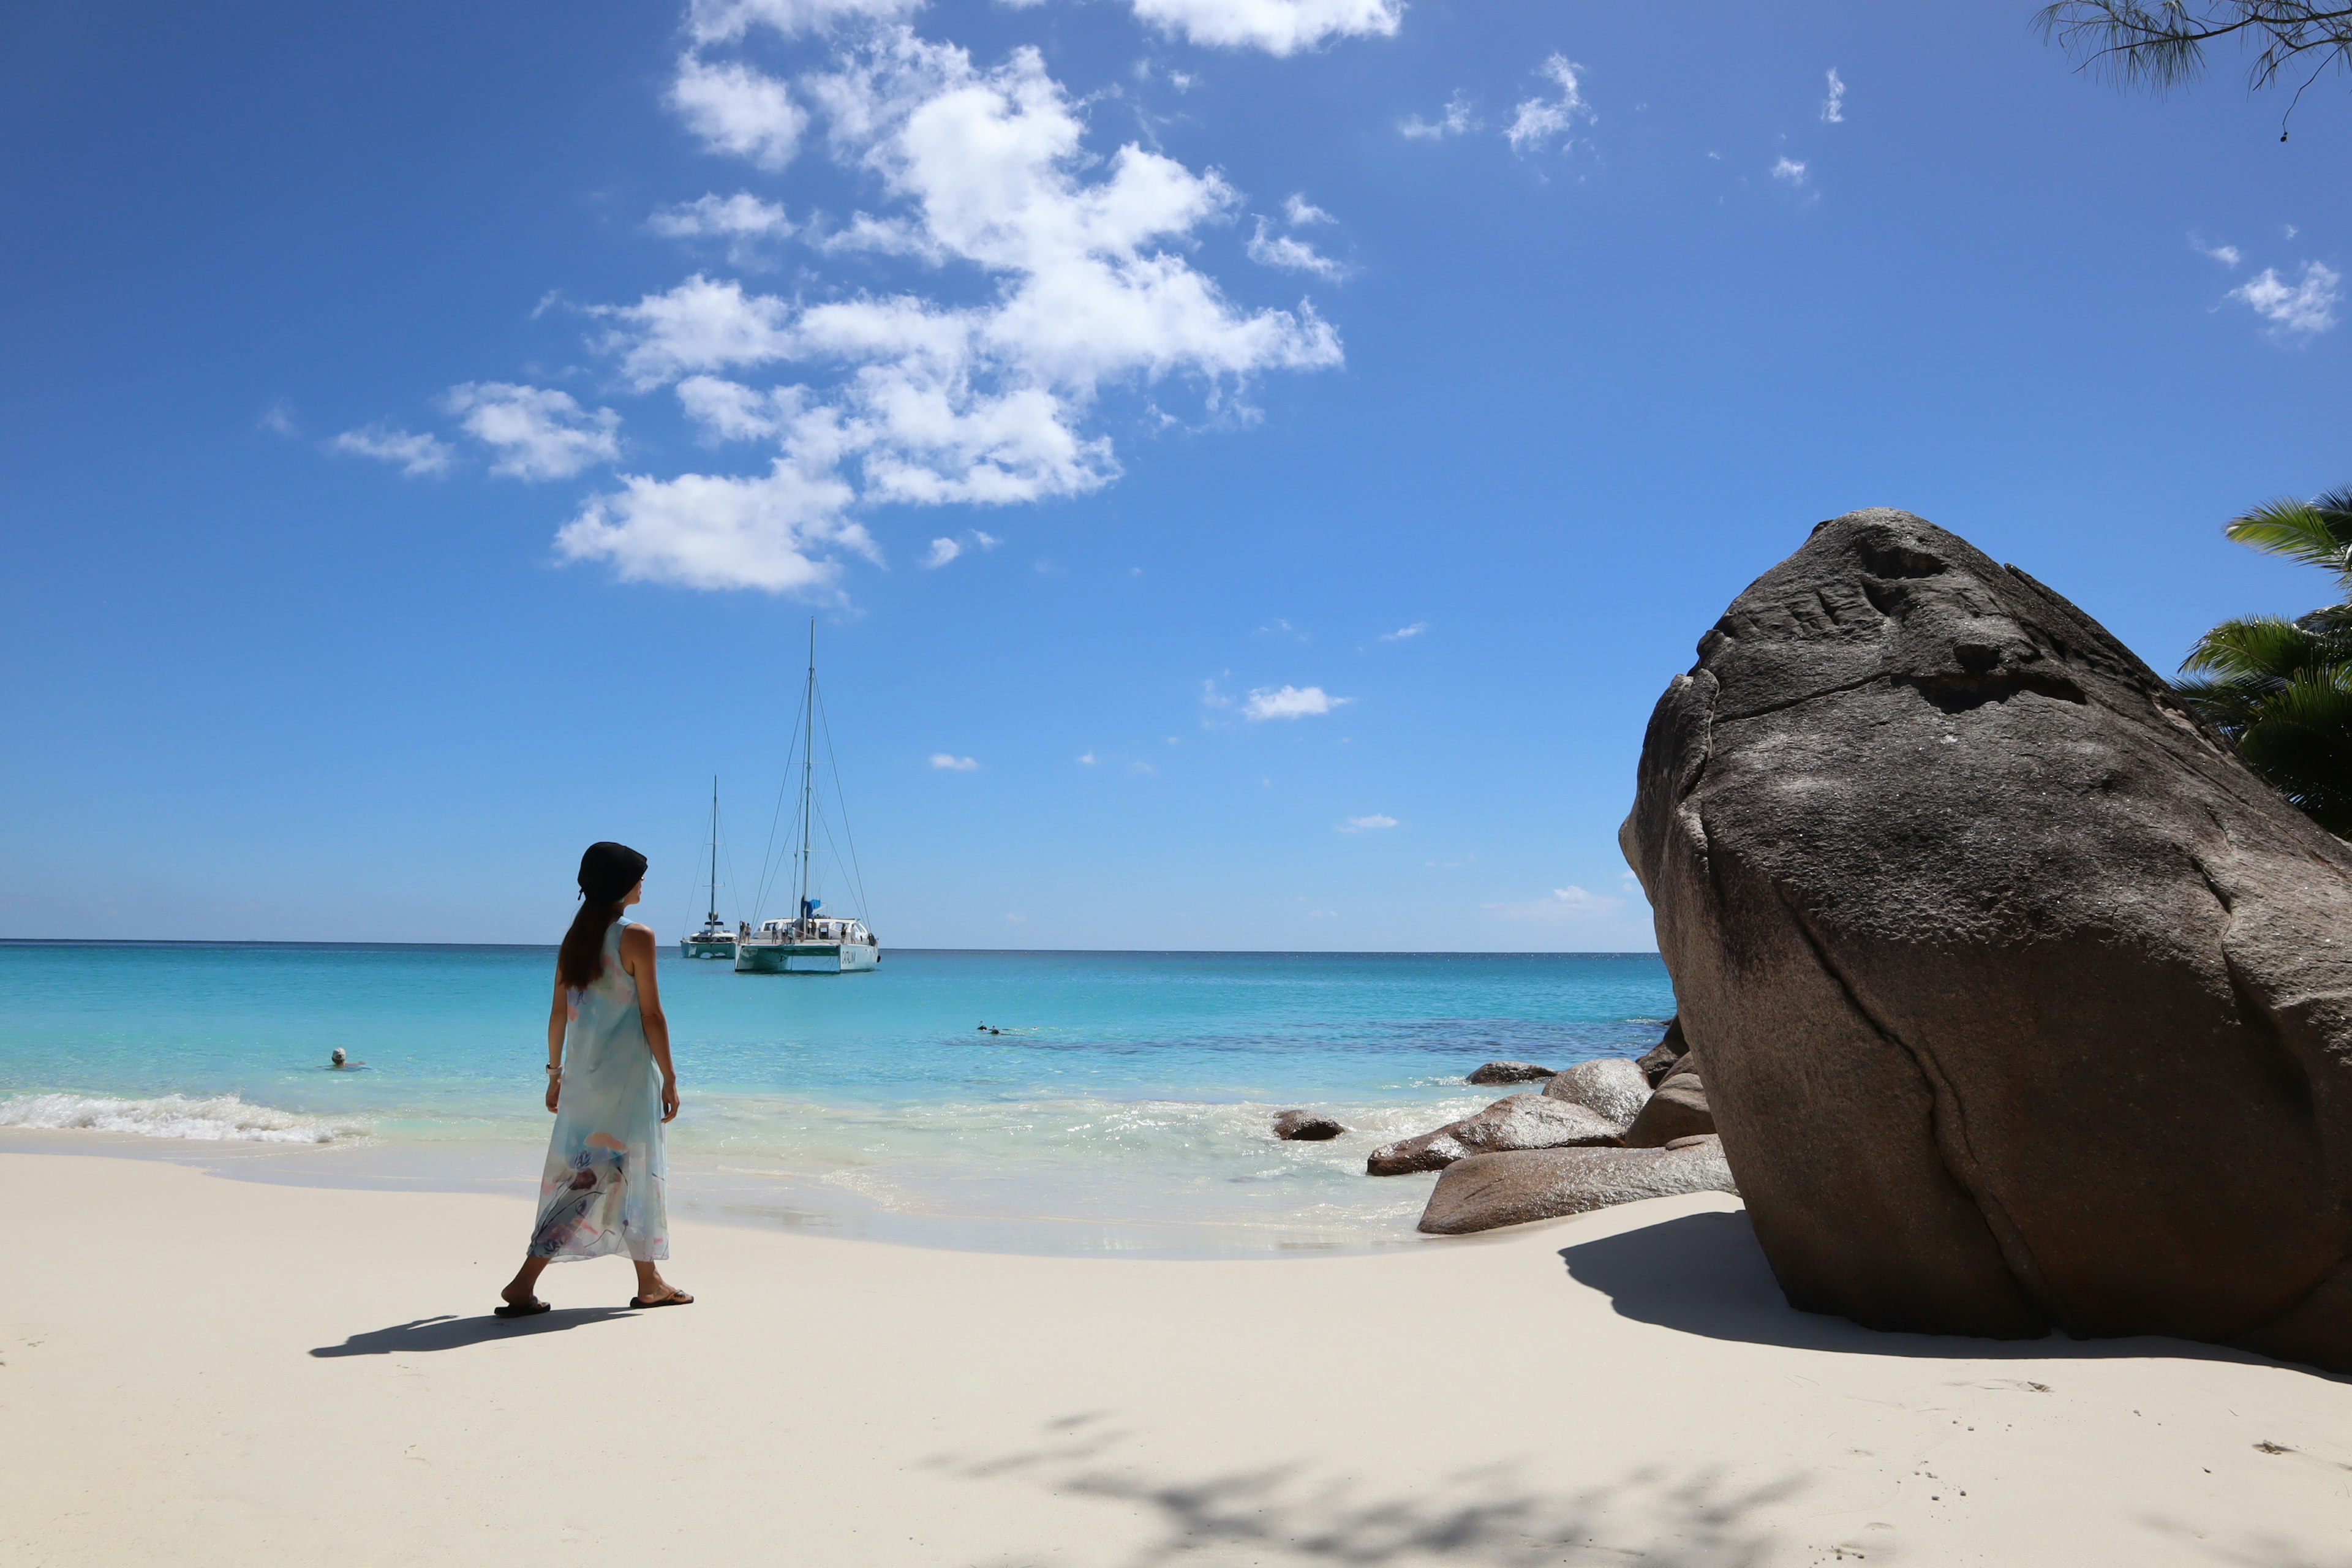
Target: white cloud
x,y
742,220
416,455
1401,633
1538,120
278,420
1292,254
780,532
699,325
1454,122
1277,26
880,237
738,111
2227,255
946,550
1289,702
1139,766
1088,758
915,400
538,433
1568,903
2304,308
1790,170
1366,824
723,21
950,762
1833,106
1299,212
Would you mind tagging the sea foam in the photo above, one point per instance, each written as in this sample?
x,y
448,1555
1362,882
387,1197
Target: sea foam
x,y
223,1118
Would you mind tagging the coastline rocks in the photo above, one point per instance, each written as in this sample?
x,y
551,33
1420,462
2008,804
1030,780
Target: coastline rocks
x,y
1508,1072
1305,1127
1488,1190
1521,1121
1677,1110
1659,1059
1612,1086
2023,1003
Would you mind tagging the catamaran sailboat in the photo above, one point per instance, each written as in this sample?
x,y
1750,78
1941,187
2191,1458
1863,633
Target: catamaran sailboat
x,y
714,940
812,941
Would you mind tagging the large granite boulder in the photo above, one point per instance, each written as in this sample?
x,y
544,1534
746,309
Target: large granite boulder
x,y
1488,1190
1507,1072
1522,1121
1678,1110
2022,1003
1612,1086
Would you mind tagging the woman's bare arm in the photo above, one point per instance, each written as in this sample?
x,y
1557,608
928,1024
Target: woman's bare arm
x,y
638,949
558,1015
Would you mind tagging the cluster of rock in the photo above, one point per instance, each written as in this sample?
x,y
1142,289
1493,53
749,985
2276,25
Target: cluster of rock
x,y
1602,1133
2023,1003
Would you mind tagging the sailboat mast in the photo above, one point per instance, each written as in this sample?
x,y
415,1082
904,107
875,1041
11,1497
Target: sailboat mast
x,y
714,853
808,767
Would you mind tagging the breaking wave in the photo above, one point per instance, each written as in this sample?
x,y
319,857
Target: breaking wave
x,y
223,1118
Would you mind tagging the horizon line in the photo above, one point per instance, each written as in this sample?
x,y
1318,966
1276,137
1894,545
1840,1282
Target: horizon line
x,y
1072,951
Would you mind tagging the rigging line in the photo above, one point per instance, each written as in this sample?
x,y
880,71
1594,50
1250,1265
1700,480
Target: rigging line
x,y
734,890
864,906
777,817
827,829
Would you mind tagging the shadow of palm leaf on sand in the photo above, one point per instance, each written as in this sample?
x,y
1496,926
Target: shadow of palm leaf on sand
x,y
1300,1514
1706,1274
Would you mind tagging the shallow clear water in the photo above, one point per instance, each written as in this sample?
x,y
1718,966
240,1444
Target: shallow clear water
x,y
1125,1107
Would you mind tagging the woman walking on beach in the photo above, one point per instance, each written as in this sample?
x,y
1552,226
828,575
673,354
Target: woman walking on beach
x,y
612,1087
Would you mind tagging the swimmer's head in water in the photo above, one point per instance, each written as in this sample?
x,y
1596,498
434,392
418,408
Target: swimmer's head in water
x,y
338,1057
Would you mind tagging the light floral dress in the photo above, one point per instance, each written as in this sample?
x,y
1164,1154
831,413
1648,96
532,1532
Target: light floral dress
x,y
603,1190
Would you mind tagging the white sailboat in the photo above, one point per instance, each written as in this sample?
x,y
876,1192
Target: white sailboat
x,y
812,941
714,940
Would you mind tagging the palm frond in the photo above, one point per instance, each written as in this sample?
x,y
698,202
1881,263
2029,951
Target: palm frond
x,y
2257,648
2316,533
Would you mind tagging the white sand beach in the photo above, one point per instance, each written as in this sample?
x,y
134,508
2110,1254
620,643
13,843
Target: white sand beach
x,y
196,1369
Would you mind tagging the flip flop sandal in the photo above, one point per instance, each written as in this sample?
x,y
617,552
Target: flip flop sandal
x,y
675,1298
530,1309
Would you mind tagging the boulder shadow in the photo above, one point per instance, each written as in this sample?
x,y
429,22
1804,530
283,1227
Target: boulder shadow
x,y
449,1332
1706,1274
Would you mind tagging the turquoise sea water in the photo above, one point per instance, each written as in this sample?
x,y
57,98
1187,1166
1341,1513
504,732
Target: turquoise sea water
x,y
1124,1108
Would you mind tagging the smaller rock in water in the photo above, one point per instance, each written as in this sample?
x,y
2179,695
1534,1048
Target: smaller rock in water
x,y
1490,1190
1677,1110
1613,1086
1508,1072
1521,1121
1305,1127
1659,1059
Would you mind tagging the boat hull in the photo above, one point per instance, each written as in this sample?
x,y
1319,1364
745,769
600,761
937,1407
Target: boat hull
x,y
690,948
805,957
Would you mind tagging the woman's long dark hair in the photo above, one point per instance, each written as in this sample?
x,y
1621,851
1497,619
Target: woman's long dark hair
x,y
607,873
581,957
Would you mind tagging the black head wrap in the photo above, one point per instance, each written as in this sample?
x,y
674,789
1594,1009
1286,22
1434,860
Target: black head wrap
x,y
608,872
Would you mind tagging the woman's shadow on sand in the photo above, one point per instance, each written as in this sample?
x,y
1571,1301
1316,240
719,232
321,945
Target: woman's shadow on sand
x,y
1706,1274
450,1333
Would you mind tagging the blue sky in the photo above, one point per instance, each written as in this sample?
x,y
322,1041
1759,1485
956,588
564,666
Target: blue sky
x,y
428,432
